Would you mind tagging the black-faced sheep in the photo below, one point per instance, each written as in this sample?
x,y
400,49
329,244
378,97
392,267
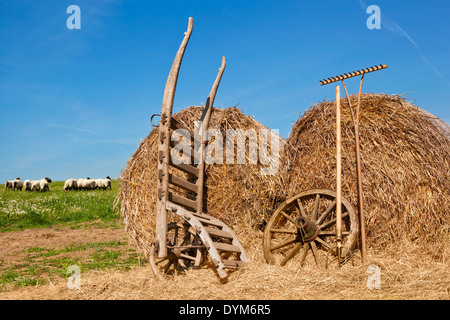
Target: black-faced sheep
x,y
17,184
44,184
27,185
70,184
9,185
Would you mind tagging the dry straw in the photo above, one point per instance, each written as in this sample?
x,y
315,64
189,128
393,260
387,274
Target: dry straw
x,y
405,164
238,194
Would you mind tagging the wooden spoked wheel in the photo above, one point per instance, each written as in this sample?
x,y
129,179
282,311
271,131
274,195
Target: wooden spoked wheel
x,y
303,230
185,250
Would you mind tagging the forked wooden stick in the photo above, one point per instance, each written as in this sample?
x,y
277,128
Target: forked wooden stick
x,y
164,142
201,132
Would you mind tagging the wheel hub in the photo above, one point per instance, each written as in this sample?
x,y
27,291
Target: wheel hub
x,y
307,230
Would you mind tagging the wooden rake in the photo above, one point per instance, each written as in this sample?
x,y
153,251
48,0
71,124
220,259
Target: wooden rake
x,y
355,119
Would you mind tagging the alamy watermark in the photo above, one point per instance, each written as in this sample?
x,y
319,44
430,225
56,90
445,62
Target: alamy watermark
x,y
374,21
74,20
254,147
74,280
374,278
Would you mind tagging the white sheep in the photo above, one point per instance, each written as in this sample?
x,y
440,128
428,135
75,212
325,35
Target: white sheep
x,y
70,184
89,184
80,184
36,185
17,184
44,184
27,185
9,184
85,184
106,183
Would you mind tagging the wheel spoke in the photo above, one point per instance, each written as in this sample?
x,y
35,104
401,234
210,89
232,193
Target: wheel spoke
x,y
316,208
326,213
332,222
302,209
314,251
324,243
159,261
284,214
304,254
281,245
283,231
166,268
291,254
185,256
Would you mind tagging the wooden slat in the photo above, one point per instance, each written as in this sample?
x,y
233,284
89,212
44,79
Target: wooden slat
x,y
218,233
182,201
206,221
233,263
226,247
185,168
186,185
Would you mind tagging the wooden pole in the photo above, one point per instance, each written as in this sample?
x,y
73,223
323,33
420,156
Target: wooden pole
x,y
338,175
163,146
360,187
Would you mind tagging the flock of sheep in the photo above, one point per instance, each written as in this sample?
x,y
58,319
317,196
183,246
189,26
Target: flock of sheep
x,y
35,185
70,184
87,184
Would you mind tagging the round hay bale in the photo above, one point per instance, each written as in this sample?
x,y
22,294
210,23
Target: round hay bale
x,y
405,162
238,194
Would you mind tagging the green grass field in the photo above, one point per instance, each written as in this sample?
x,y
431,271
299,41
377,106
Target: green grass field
x,y
87,211
21,210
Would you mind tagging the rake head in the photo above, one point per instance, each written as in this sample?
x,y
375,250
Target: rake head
x,y
352,74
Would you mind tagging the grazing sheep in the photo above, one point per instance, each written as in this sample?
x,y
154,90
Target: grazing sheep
x,y
107,183
44,184
80,184
27,185
8,185
17,184
70,184
35,185
89,184
85,184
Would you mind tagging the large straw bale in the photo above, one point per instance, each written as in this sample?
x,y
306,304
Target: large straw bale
x,y
405,164
238,194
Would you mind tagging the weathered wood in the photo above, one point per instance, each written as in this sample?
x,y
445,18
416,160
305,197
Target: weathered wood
x,y
226,247
186,185
199,222
182,201
206,221
164,129
218,233
233,263
201,132
185,168
338,174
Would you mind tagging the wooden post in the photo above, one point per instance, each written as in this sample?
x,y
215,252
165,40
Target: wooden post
x,y
360,187
338,175
201,134
163,146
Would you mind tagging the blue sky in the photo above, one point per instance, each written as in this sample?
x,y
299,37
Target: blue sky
x,y
77,103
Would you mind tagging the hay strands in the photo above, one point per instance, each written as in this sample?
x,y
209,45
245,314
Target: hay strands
x,y
357,142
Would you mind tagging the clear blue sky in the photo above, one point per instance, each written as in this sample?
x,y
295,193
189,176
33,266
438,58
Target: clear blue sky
x,y
76,103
